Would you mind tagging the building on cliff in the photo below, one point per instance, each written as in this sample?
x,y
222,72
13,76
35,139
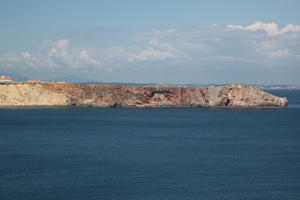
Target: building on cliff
x,y
5,79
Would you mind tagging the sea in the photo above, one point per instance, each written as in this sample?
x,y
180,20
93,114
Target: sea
x,y
151,154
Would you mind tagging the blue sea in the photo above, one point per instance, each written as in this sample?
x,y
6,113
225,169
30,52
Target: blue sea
x,y
150,154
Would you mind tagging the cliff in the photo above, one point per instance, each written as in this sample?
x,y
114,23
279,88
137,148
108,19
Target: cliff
x,y
96,95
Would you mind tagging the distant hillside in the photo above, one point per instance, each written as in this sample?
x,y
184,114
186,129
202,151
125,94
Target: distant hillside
x,y
83,80
280,87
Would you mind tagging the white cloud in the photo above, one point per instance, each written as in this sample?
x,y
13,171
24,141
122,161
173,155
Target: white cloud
x,y
9,58
85,57
279,53
58,48
149,55
270,28
290,28
146,50
234,26
205,48
26,55
54,54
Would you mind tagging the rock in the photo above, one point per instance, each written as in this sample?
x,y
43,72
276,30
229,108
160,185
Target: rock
x,y
97,95
27,94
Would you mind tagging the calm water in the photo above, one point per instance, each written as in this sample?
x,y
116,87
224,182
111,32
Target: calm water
x,y
142,154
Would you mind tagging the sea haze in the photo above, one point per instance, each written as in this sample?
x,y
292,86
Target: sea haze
x,y
143,154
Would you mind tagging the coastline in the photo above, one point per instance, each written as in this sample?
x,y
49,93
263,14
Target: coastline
x,y
57,94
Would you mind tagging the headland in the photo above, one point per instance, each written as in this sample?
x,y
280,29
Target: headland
x,y
103,95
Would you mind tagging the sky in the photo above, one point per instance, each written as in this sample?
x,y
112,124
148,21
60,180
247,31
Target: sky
x,y
170,41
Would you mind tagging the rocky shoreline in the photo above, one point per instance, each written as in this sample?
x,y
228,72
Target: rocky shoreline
x,y
50,94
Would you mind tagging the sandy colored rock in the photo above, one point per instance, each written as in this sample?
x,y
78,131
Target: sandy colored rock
x,y
98,95
30,95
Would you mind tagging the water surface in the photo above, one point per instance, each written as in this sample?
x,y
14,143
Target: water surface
x,y
143,154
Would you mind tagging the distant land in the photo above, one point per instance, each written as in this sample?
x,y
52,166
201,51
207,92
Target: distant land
x,y
79,80
37,93
279,87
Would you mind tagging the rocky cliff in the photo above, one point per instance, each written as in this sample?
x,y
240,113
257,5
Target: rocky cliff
x,y
96,95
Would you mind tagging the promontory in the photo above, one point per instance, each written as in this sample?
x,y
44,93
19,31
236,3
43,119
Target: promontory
x,y
101,95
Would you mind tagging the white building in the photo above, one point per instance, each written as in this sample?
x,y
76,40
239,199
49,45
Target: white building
x,y
5,79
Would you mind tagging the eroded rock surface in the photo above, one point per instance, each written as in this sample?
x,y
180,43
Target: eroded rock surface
x,y
98,95
30,95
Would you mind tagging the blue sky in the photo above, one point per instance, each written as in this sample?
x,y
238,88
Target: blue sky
x,y
255,42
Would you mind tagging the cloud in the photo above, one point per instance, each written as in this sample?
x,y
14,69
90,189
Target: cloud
x,y
290,28
58,48
25,55
196,45
9,58
60,53
270,28
153,50
86,58
149,55
279,53
52,54
185,50
234,26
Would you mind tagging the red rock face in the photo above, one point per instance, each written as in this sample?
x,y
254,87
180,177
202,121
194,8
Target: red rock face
x,y
230,96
